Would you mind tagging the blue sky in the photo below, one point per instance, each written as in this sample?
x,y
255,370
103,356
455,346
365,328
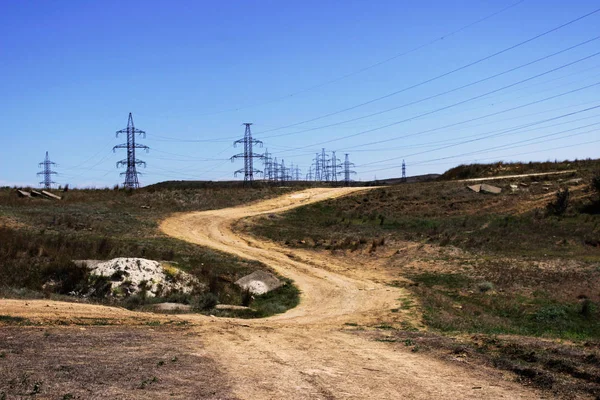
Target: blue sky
x,y
192,72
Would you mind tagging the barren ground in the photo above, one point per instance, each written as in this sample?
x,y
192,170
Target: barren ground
x,y
306,353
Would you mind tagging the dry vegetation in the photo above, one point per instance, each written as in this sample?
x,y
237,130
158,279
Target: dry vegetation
x,y
39,238
525,263
143,363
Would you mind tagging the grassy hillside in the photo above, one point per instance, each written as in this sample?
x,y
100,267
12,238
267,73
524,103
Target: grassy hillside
x,y
469,171
39,238
479,265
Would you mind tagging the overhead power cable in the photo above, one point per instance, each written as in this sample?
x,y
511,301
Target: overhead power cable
x,y
478,61
490,135
502,147
446,107
438,94
364,69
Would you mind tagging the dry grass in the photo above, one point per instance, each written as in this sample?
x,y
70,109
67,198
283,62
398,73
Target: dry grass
x,y
106,362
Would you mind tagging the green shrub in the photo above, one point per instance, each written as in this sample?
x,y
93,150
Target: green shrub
x,y
205,301
560,204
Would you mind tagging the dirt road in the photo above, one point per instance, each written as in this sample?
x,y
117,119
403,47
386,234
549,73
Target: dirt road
x,y
306,353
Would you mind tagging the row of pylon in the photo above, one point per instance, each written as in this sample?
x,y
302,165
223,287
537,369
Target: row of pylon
x,y
323,169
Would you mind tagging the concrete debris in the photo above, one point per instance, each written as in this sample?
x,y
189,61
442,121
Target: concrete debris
x,y
171,307
35,193
230,307
574,181
490,189
259,282
485,188
514,188
51,195
145,207
23,193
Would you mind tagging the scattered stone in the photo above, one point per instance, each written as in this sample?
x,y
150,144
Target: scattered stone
x,y
259,282
230,307
23,193
574,181
485,188
145,207
50,195
490,189
171,307
514,188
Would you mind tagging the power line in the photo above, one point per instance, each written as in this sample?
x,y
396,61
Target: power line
x,y
363,69
489,135
438,94
505,146
448,106
439,76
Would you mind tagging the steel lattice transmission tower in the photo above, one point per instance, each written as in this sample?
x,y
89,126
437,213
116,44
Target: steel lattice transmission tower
x,y
268,165
248,155
131,174
334,166
324,166
317,161
309,175
347,171
403,171
47,172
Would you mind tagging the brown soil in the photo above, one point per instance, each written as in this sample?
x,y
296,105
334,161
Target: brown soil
x,y
106,363
306,353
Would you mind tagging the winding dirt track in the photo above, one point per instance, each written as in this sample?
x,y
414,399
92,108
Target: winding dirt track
x,y
305,353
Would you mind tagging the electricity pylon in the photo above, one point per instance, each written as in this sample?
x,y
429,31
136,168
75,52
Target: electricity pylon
x,y
248,155
47,172
317,161
347,171
275,170
324,166
268,165
334,166
403,171
131,174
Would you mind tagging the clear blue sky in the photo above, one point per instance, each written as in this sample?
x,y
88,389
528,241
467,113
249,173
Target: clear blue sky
x,y
71,71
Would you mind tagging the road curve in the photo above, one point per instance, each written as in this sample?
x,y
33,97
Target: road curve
x,y
305,353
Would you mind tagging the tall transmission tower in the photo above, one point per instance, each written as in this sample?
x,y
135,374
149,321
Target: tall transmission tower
x,y
268,165
131,174
324,166
283,171
47,172
347,171
334,166
248,155
275,170
297,173
317,161
309,175
403,171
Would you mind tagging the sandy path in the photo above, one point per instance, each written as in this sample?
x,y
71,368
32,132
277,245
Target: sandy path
x,y
304,353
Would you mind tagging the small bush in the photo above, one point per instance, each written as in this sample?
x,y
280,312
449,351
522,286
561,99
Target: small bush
x,y
485,286
560,204
205,301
